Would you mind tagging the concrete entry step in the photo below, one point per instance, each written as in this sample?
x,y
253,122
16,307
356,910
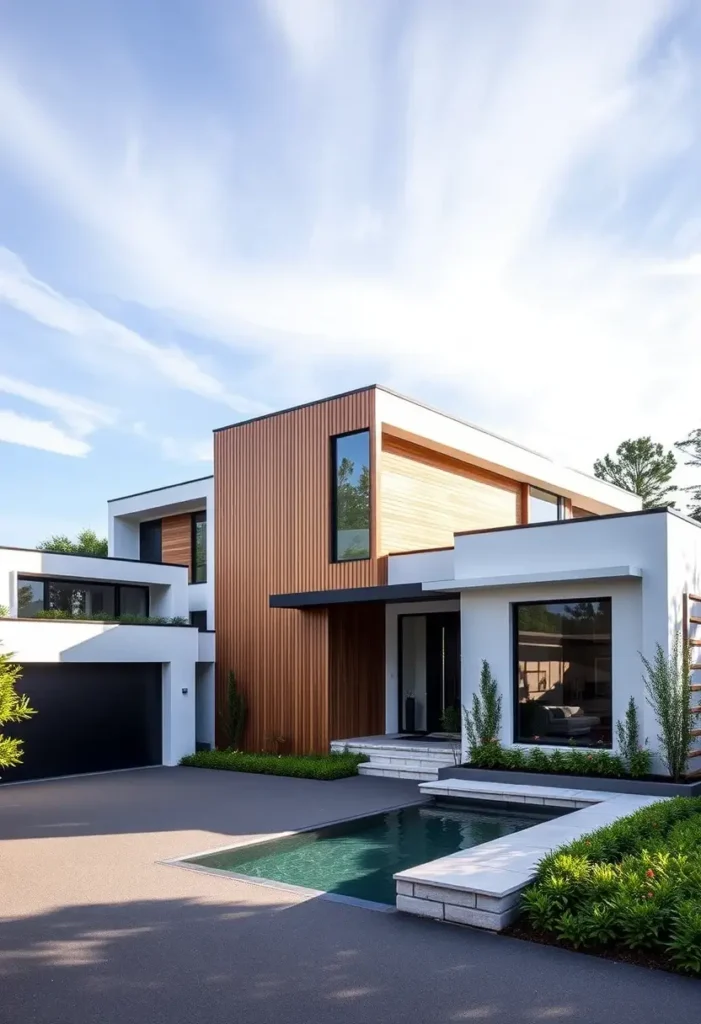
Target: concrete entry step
x,y
393,757
398,772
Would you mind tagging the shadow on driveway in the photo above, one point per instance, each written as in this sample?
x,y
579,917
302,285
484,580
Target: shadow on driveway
x,y
182,960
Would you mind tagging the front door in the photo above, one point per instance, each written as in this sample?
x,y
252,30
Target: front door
x,y
429,677
442,667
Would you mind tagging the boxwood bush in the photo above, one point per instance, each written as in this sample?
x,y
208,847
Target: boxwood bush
x,y
600,763
310,766
635,885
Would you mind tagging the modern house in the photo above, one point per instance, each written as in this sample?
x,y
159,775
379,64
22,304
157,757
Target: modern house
x,y
360,556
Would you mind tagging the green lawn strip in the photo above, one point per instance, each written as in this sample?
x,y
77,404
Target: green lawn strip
x,y
310,766
634,885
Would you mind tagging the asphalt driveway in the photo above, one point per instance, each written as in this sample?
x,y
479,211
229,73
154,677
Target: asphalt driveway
x,y
94,929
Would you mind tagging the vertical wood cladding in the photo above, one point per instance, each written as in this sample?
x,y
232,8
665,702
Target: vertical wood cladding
x,y
272,480
356,670
426,497
176,540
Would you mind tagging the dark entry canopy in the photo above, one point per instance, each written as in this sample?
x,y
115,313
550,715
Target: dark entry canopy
x,y
355,595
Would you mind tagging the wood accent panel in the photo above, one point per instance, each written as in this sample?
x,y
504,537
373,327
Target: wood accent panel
x,y
356,670
176,540
427,496
525,498
272,481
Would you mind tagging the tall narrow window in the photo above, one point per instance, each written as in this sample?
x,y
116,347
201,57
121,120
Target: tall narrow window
x,y
199,547
351,496
150,541
544,506
563,672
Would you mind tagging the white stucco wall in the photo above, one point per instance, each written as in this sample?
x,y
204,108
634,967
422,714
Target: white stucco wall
x,y
422,566
174,647
204,704
487,634
125,515
646,610
683,567
168,583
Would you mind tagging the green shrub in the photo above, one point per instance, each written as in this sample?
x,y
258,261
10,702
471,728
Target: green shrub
x,y
634,883
633,752
667,688
324,767
600,763
127,619
483,720
233,717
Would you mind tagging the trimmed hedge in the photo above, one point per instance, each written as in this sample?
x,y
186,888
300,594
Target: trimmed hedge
x,y
324,767
633,885
599,763
126,619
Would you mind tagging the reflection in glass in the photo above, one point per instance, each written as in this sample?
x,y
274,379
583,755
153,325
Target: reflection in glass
x,y
199,547
543,506
563,672
81,598
150,541
351,460
133,601
30,597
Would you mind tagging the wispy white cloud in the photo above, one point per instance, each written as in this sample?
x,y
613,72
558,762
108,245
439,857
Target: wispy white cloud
x,y
467,200
177,449
24,292
80,414
79,418
32,433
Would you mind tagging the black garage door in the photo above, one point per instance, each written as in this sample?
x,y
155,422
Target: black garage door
x,y
90,718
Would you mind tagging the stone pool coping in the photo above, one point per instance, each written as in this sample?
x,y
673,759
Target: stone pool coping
x,y
482,886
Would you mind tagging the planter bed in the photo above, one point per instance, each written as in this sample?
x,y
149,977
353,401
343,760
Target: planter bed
x,y
629,890
648,786
324,767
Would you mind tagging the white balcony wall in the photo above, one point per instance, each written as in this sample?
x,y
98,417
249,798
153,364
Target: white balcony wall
x,y
168,588
421,567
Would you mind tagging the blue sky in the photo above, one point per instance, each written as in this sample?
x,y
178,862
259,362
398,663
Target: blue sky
x,y
217,209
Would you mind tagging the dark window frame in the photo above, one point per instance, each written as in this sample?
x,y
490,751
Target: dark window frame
x,y
333,504
197,517
560,503
151,523
515,605
196,621
46,580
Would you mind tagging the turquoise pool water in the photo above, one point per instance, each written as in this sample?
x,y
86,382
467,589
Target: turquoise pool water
x,y
358,858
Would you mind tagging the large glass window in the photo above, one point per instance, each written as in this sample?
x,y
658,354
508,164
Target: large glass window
x,y
563,672
544,506
150,541
81,598
133,600
199,547
30,597
351,496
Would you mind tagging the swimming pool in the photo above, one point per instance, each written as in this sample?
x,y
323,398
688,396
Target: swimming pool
x,y
357,859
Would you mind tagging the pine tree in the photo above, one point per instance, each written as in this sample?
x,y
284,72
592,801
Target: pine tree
x,y
14,707
692,446
642,466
